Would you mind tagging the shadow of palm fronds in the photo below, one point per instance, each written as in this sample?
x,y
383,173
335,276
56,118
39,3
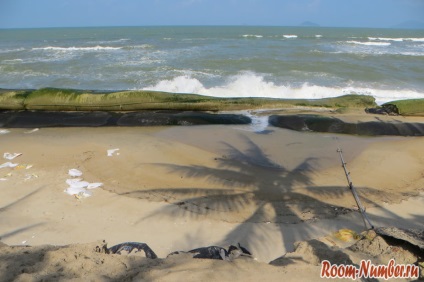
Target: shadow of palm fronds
x,y
261,196
196,202
370,196
14,204
19,230
252,188
18,201
222,176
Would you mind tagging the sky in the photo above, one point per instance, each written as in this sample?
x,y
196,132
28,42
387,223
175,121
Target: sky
x,y
81,13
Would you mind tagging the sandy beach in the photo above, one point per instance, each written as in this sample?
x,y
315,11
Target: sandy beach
x,y
179,188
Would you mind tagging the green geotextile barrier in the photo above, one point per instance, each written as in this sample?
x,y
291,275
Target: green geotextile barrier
x,y
75,100
52,99
13,99
413,107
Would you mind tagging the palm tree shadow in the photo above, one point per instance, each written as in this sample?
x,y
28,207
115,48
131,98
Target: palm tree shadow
x,y
14,204
18,201
254,192
19,230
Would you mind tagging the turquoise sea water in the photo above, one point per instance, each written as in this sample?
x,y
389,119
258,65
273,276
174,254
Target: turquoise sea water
x,y
283,62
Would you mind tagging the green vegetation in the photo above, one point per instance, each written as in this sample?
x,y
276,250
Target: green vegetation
x,y
412,107
53,99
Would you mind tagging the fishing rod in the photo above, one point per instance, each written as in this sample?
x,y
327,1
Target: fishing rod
x,y
355,195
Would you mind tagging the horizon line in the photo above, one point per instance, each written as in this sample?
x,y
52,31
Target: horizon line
x,y
213,25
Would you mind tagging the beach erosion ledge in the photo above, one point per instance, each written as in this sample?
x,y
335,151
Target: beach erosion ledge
x,y
53,107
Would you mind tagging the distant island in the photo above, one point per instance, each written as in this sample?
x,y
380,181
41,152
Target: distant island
x,y
410,25
403,25
308,23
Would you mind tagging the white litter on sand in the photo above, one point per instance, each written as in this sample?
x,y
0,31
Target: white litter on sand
x,y
78,187
70,182
8,164
4,131
77,184
94,185
32,131
6,177
75,190
74,172
111,152
11,156
30,176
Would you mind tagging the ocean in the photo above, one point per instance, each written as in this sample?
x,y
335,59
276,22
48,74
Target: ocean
x,y
222,61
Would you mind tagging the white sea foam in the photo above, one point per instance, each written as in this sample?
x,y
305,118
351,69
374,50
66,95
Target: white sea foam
x,y
290,36
374,48
179,84
318,35
415,39
414,54
13,61
385,39
120,40
369,43
94,48
249,84
11,50
397,39
103,42
252,36
142,46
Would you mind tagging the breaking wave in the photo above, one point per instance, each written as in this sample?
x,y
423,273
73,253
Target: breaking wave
x,y
11,50
370,43
396,39
252,36
253,85
94,48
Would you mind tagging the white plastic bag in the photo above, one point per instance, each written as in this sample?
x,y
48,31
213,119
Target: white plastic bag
x,y
94,185
78,187
110,152
4,131
77,183
8,164
32,131
11,156
78,192
74,172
